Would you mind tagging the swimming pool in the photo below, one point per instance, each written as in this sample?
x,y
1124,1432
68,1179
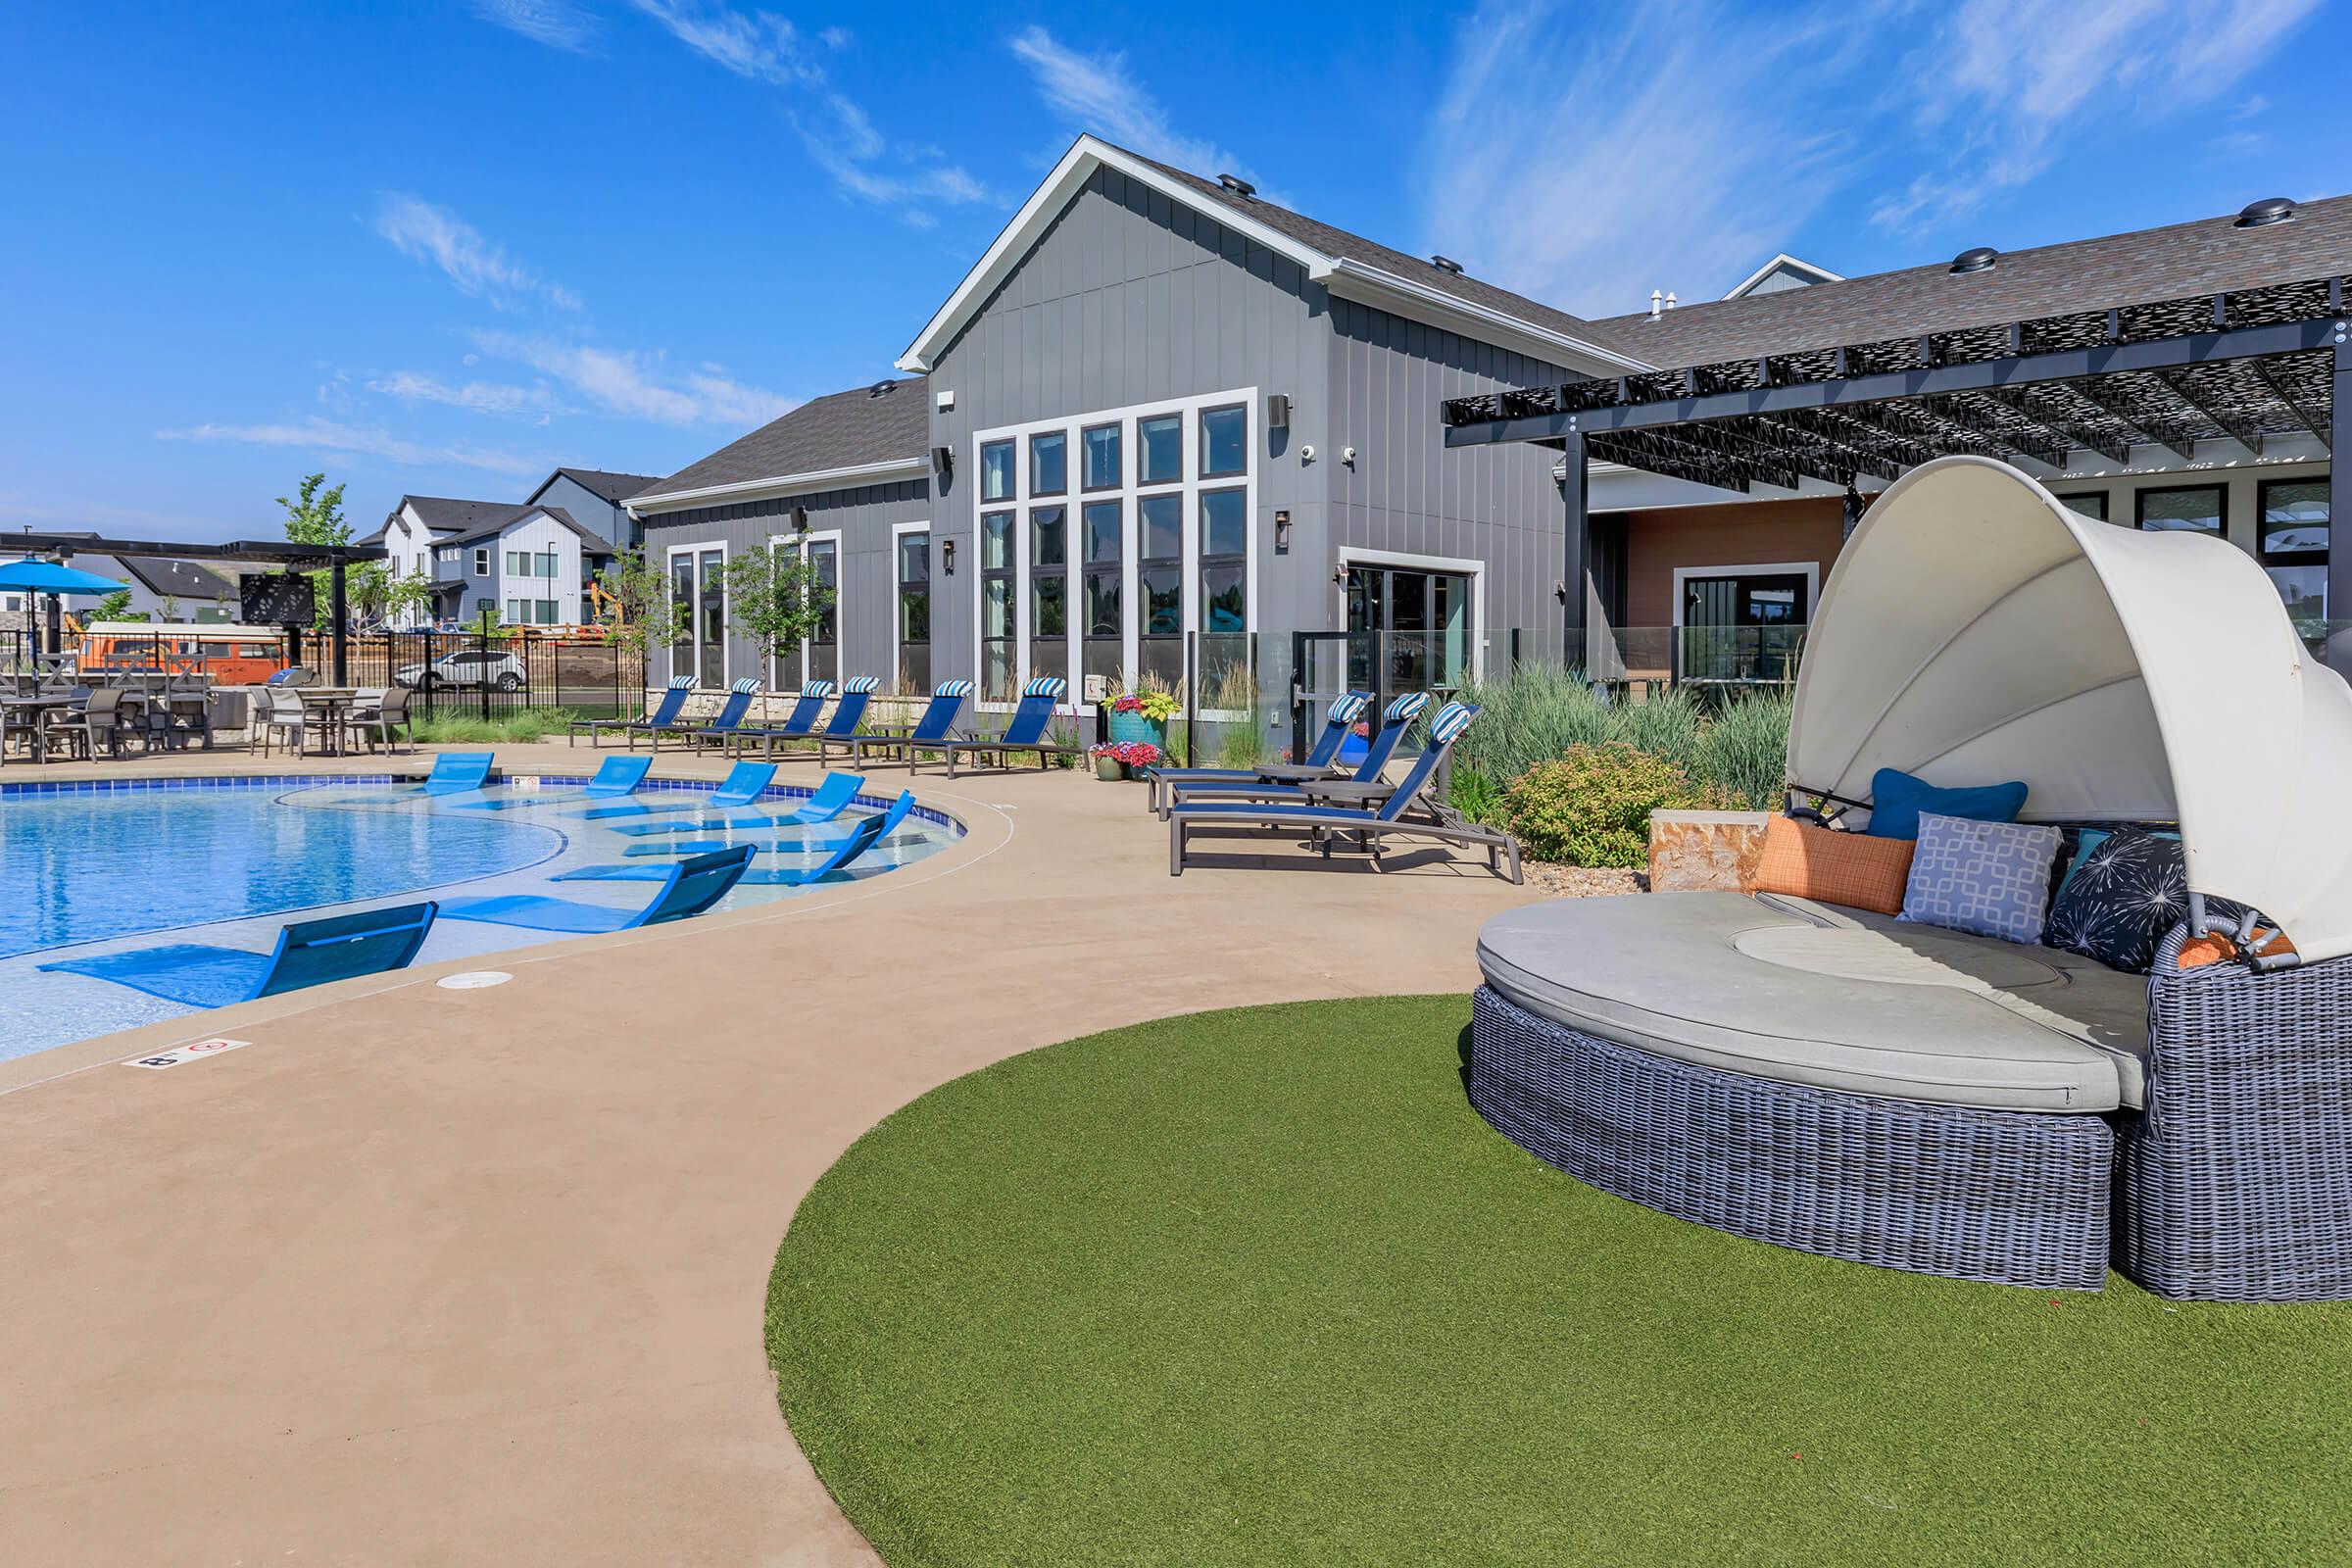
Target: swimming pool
x,y
109,865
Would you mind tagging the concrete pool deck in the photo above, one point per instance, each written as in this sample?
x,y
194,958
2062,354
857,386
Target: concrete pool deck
x,y
479,1276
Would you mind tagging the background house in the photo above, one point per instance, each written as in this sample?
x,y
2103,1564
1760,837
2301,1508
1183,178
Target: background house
x,y
532,561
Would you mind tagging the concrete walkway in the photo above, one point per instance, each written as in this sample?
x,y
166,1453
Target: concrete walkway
x,y
432,1276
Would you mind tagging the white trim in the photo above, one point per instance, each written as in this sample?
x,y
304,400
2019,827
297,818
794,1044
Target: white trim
x,y
1809,569
1821,274
1341,274
669,577
1468,567
861,474
898,531
800,540
1129,494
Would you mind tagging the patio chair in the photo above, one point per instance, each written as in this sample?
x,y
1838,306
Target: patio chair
x,y
839,855
673,700
283,719
745,783
309,953
1337,724
1025,731
616,777
1327,824
937,724
718,726
389,714
797,725
688,888
833,796
97,722
452,773
1397,718
848,714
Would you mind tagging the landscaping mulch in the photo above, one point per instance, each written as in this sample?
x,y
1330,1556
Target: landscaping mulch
x,y
1584,881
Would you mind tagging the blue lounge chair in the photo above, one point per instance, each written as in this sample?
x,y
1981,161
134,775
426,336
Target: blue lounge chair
x,y
309,953
1337,724
1394,720
1329,823
842,728
673,703
795,727
454,774
937,724
832,798
745,783
616,777
1025,731
840,853
688,888
718,727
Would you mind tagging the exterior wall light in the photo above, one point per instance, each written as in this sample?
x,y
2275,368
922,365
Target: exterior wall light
x,y
946,557
799,519
1282,532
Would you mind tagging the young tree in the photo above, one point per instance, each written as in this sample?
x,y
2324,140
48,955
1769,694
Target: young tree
x,y
376,594
115,606
776,599
634,604
315,517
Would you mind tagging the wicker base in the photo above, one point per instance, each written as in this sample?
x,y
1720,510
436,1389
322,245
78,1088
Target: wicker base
x,y
2011,1197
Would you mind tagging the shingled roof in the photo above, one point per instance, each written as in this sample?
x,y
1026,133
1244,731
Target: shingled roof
x,y
884,422
601,483
2182,260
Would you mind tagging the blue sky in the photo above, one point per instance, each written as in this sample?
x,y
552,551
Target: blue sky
x,y
441,247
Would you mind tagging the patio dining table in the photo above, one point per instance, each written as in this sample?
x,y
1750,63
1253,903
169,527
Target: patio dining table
x,y
27,713
332,706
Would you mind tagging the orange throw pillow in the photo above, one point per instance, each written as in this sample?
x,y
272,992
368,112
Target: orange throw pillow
x,y
2198,951
1857,869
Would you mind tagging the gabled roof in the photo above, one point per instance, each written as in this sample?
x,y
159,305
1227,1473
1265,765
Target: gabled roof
x,y
1800,271
523,514
601,483
447,514
2182,260
867,435
1348,264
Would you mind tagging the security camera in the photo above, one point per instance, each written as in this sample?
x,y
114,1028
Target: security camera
x,y
1348,456
1306,453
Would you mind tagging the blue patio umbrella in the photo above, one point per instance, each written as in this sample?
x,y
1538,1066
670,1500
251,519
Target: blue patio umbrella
x,y
30,576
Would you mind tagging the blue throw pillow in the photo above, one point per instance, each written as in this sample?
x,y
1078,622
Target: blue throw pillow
x,y
1989,878
2126,891
1896,798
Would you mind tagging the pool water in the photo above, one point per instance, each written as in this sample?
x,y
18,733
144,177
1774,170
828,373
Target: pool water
x,y
230,861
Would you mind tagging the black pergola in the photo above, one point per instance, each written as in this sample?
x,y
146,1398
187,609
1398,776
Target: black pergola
x,y
2244,369
332,558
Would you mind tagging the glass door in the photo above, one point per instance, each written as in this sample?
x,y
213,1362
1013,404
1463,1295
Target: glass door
x,y
1743,626
1422,626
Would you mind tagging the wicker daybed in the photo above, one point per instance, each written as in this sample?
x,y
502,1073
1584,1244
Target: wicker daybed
x,y
1853,1084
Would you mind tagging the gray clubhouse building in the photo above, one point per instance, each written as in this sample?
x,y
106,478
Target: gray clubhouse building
x,y
1161,411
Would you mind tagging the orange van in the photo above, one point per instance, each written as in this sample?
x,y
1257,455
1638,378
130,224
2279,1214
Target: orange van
x,y
225,654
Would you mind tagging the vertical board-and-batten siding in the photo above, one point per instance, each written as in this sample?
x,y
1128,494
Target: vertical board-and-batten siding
x,y
864,517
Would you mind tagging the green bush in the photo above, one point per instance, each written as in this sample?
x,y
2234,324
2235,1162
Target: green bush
x,y
1537,712
1476,796
451,727
1743,752
1590,806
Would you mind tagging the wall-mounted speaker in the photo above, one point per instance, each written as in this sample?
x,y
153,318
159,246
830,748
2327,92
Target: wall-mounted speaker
x,y
1278,410
943,458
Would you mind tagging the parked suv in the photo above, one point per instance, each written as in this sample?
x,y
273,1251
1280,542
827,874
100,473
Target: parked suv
x,y
468,667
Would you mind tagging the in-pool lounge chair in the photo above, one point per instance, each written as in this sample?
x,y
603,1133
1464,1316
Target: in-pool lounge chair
x,y
1397,718
309,953
833,796
1025,731
716,728
795,727
839,855
615,778
455,773
673,703
936,726
1405,812
1337,725
688,888
842,728
745,783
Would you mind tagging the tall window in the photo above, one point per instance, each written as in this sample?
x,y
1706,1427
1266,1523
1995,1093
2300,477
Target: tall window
x,y
996,651
1159,562
1050,591
2293,544
698,587
1224,441
1049,463
914,613
1103,552
1100,445
824,639
2194,508
1159,449
996,471
1224,645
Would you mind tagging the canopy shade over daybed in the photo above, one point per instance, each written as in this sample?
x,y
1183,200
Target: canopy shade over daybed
x,y
1976,629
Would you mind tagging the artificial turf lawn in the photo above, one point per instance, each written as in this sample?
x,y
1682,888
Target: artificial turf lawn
x,y
1260,1287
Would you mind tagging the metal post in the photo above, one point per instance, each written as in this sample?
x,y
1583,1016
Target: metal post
x,y
1192,698
2339,505
340,609
1576,553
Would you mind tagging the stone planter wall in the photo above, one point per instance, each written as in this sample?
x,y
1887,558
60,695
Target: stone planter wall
x,y
1707,851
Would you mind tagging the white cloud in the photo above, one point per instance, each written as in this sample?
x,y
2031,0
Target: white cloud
x,y
634,385
1096,94
758,45
424,233
328,435
478,397
558,24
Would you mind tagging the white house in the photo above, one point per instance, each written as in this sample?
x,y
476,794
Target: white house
x,y
527,563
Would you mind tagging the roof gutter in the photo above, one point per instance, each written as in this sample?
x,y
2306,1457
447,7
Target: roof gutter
x,y
786,484
1370,285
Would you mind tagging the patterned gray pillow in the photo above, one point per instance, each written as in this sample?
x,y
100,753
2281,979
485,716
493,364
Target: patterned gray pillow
x,y
1989,878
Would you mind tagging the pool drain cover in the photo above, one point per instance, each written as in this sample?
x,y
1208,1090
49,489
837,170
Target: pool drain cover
x,y
474,980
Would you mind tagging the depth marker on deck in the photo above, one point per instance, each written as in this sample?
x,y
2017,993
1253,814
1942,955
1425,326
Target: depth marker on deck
x,y
194,1051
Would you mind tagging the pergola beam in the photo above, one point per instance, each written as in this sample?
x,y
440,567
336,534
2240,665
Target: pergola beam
x,y
2293,405
2031,404
2165,432
2236,427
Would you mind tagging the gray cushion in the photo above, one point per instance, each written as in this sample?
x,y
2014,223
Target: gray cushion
x,y
1805,993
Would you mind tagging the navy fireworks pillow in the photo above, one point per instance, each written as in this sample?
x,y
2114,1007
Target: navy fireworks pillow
x,y
2120,897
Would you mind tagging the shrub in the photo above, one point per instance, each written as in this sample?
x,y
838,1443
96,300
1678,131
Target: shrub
x,y
1537,712
1476,796
1743,752
1590,806
452,725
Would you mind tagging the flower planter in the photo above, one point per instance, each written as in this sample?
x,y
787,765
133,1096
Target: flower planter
x,y
1110,768
1135,728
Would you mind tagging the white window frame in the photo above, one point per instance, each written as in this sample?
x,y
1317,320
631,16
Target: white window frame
x,y
1188,486
798,541
1810,571
670,573
481,561
898,531
1452,565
